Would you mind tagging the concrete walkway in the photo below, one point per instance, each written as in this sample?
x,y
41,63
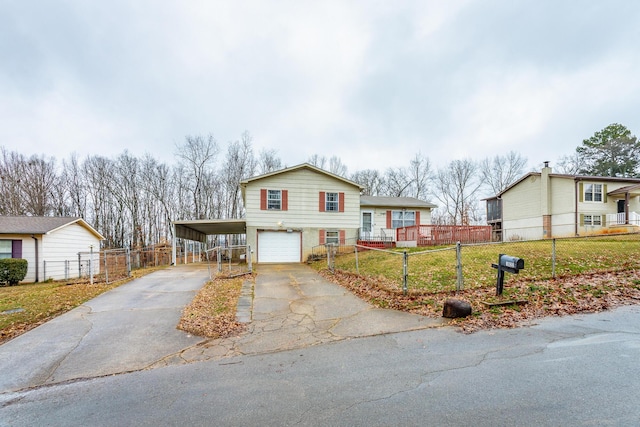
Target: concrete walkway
x,y
294,307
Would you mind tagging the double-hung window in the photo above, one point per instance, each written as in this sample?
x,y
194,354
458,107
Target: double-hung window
x,y
332,203
403,219
592,220
332,237
274,199
593,192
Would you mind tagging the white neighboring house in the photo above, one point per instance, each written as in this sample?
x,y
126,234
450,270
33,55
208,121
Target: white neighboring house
x,y
49,244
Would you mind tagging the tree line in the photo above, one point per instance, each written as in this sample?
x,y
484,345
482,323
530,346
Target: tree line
x,y
132,200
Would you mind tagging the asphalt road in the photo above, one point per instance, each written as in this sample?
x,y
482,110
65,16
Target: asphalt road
x,y
571,371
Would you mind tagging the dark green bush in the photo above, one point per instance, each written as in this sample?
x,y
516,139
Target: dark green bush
x,y
12,270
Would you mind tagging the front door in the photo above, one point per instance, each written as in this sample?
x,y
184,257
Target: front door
x,y
621,204
366,226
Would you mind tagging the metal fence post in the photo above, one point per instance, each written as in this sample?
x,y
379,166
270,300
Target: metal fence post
x,y
106,268
553,258
357,263
91,264
128,252
44,270
460,282
249,258
405,272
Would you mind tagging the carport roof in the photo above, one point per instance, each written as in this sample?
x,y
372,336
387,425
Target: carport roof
x,y
199,229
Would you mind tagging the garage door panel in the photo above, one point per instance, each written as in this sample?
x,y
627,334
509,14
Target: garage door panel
x,y
275,246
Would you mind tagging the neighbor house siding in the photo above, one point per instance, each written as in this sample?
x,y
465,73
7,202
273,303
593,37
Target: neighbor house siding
x,y
28,253
563,199
65,244
521,210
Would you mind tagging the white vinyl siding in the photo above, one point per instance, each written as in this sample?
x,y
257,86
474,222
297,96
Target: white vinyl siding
x,y
65,244
303,187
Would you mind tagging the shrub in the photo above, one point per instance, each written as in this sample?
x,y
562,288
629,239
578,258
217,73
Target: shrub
x,y
12,270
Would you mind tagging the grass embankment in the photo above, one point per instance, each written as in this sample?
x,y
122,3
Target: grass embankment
x,y
591,275
29,305
212,313
435,270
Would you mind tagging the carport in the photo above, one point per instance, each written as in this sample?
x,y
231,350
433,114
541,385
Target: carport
x,y
198,230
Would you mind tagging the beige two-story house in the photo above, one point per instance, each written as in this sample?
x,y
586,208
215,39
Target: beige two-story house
x,y
545,205
290,211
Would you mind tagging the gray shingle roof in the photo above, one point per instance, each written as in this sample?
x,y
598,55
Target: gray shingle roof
x,y
34,224
398,202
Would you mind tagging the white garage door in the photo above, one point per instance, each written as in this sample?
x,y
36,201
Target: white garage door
x,y
277,246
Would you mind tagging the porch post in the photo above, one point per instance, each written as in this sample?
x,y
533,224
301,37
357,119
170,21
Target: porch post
x,y
626,208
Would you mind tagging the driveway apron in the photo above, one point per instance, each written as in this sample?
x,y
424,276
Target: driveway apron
x,y
294,307
128,328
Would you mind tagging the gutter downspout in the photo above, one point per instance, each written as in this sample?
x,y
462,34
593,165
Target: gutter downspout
x,y
37,258
575,213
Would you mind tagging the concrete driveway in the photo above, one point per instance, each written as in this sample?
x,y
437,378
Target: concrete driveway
x,y
126,329
133,327
294,307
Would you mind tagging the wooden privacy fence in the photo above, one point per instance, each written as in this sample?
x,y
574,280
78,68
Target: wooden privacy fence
x,y
435,235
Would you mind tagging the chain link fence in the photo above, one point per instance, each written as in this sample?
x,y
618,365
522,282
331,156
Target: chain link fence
x,y
466,266
110,265
231,261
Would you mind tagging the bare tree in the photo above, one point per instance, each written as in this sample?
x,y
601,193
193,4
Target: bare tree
x,y
11,165
500,172
397,182
37,183
420,175
318,161
456,188
74,184
371,180
239,164
336,166
570,164
198,154
102,206
268,161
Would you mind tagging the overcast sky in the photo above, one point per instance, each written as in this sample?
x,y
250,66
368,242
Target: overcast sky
x,y
372,82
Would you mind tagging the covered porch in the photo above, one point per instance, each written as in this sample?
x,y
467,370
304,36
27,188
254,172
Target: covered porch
x,y
624,214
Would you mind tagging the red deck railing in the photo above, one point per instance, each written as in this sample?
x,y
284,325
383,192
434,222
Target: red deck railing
x,y
431,235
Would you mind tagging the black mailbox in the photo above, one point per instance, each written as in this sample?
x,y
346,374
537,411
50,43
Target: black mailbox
x,y
508,263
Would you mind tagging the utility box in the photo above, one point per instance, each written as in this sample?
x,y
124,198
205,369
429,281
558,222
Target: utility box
x,y
508,263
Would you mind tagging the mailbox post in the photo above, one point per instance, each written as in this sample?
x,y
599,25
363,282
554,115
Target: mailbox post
x,y
509,264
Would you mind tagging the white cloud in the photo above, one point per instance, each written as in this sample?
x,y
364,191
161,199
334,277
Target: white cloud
x,y
373,83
